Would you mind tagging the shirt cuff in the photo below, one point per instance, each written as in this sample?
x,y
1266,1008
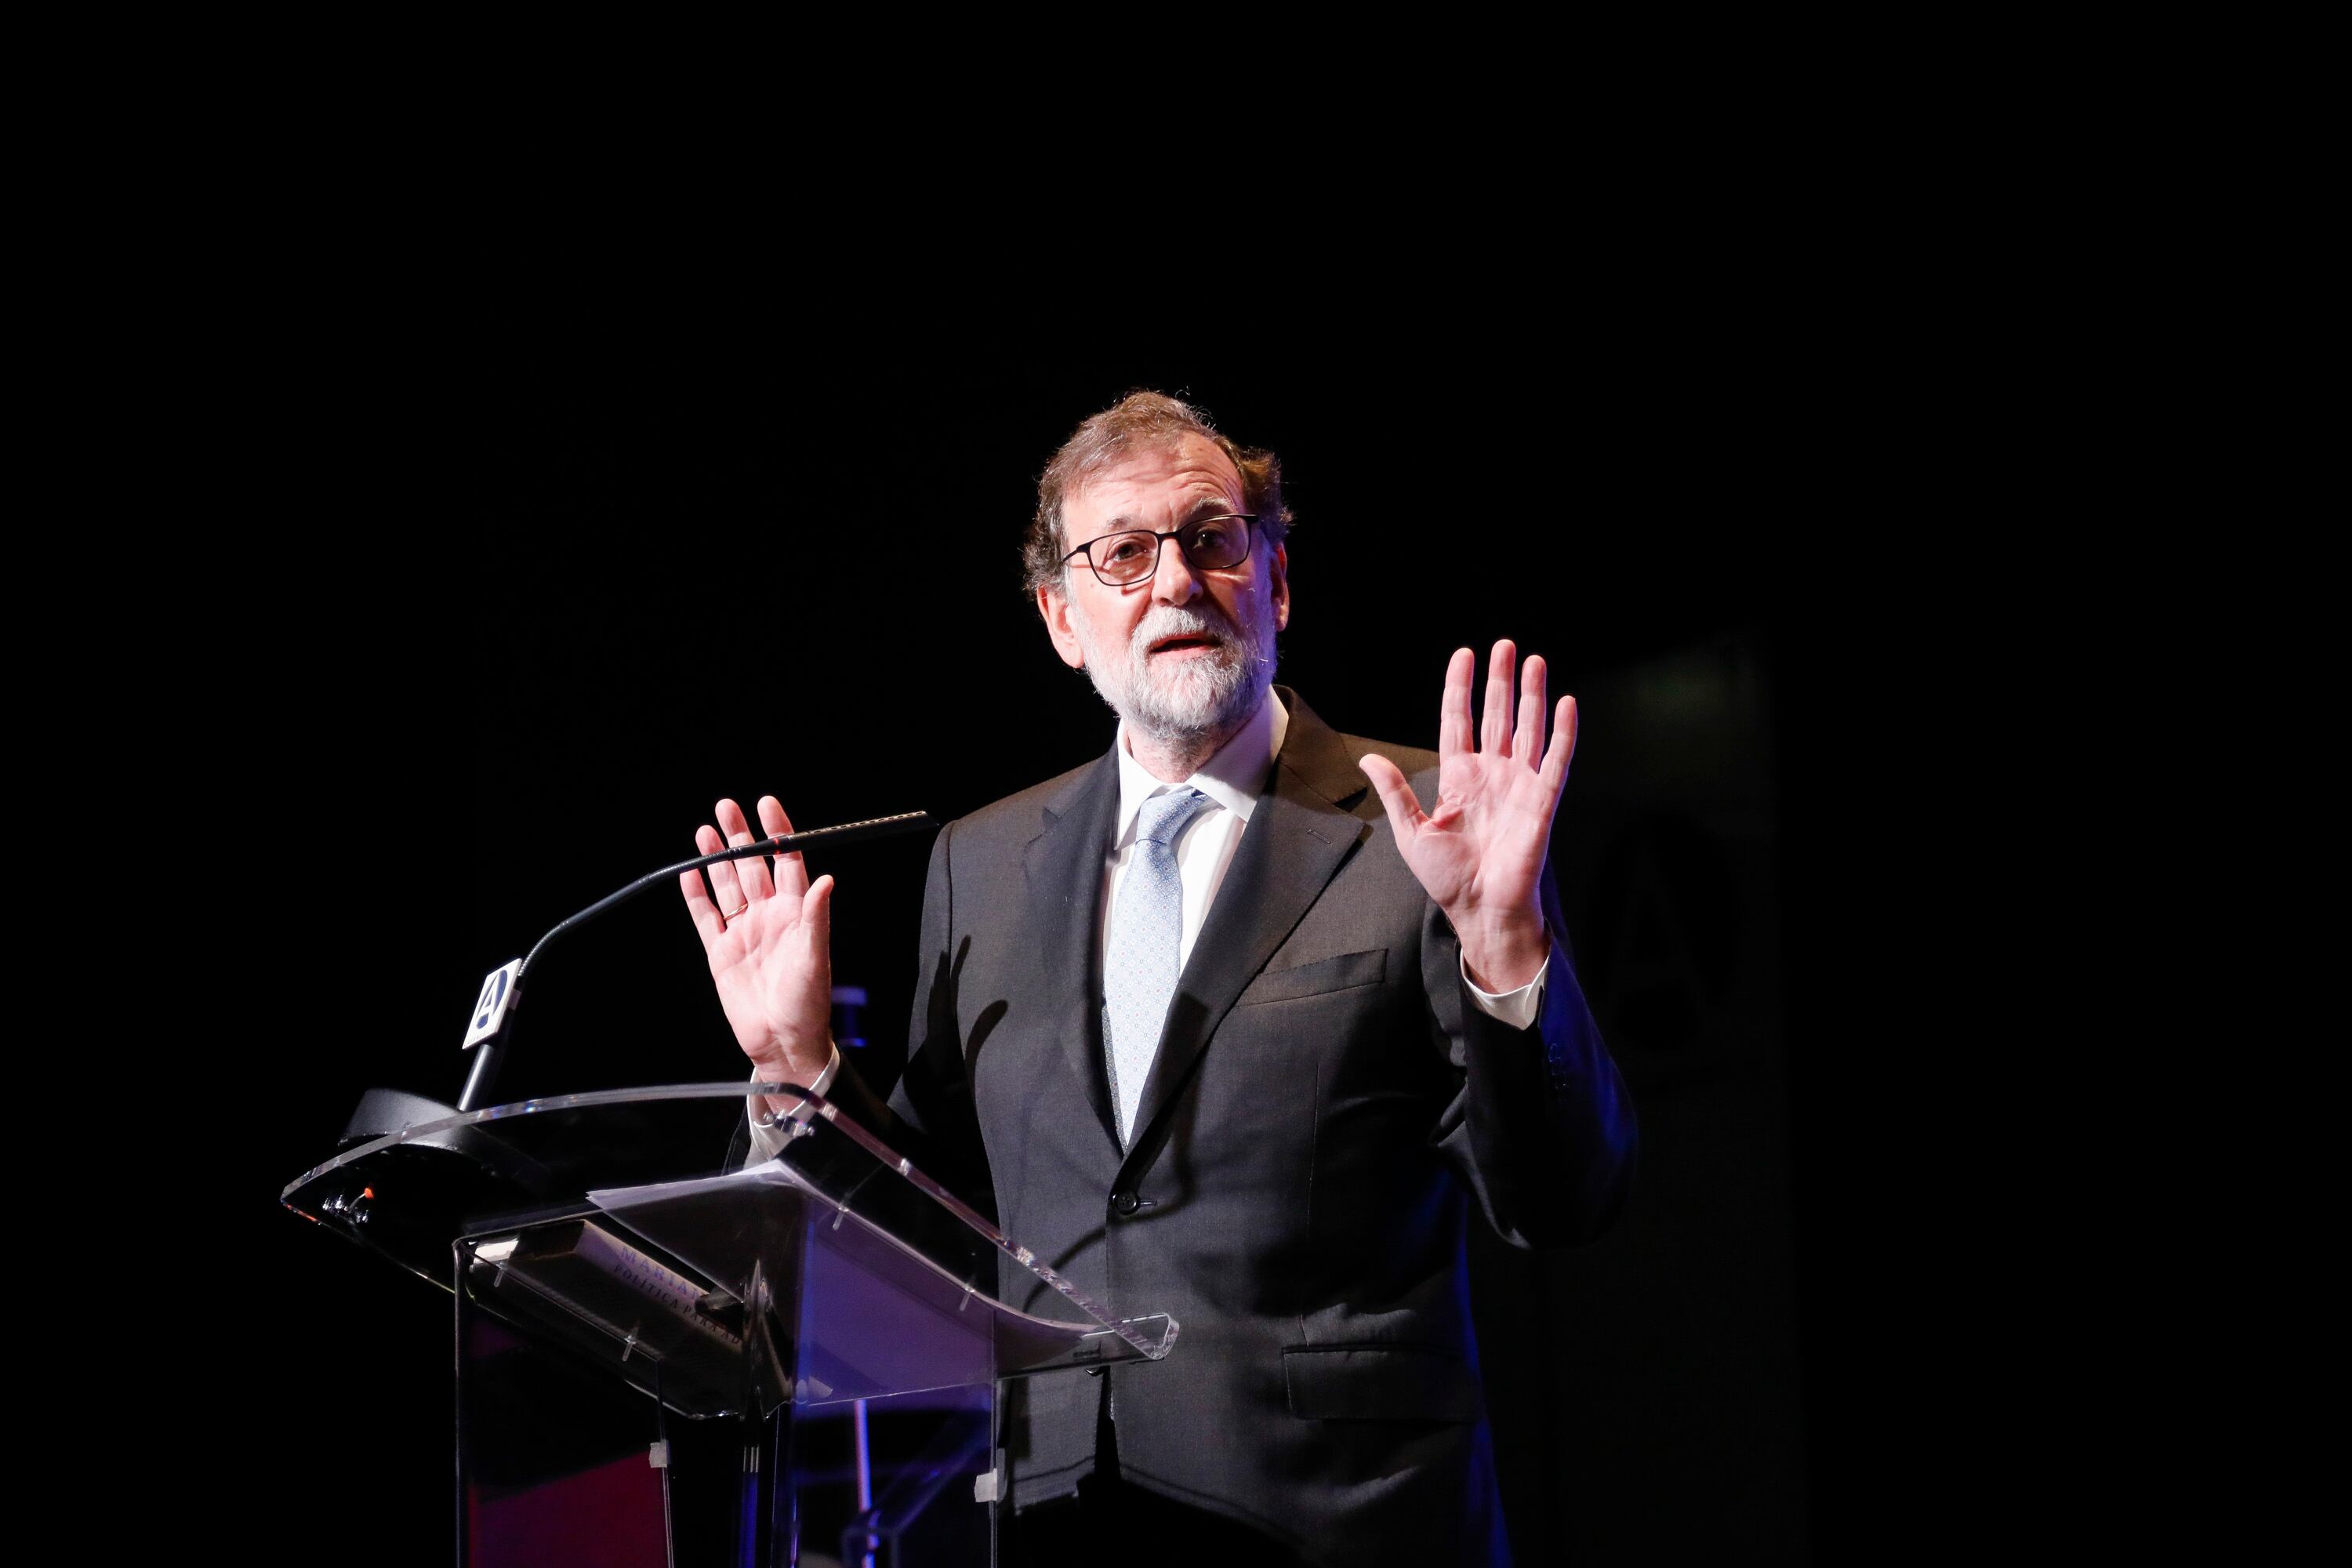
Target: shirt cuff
x,y
1517,1008
767,1134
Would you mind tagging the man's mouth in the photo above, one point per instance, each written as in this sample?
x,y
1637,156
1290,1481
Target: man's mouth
x,y
1184,643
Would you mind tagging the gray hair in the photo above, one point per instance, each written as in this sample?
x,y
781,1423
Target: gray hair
x,y
1141,421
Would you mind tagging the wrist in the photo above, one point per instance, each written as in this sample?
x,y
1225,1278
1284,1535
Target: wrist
x,y
1502,955
802,1063
771,1108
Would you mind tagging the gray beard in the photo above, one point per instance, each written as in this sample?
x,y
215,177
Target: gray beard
x,y
1201,699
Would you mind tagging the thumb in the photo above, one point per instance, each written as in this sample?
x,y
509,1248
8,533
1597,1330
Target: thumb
x,y
1405,815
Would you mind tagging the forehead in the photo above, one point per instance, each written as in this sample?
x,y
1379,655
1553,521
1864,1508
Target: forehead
x,y
1154,486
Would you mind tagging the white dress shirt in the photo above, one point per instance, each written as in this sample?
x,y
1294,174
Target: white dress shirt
x,y
1231,779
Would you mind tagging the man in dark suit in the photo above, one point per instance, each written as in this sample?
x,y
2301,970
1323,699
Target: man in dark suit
x,y
1236,1023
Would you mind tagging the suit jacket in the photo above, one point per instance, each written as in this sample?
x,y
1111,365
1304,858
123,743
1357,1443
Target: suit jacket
x,y
1325,1105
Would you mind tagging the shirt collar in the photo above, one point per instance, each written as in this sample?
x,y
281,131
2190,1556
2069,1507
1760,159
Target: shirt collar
x,y
1232,778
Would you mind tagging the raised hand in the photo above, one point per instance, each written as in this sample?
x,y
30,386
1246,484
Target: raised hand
x,y
1480,855
770,943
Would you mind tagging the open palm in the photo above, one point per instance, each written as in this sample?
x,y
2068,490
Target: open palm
x,y
768,940
1480,853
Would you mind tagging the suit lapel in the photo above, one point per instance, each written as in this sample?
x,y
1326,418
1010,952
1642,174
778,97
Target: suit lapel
x,y
1064,870
1298,836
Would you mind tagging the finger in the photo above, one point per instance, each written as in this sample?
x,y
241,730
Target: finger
x,y
1405,815
1526,744
698,907
1495,726
726,887
816,919
753,870
792,871
1563,745
1453,714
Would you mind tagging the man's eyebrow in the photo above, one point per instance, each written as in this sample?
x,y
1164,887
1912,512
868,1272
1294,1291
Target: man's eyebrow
x,y
1209,506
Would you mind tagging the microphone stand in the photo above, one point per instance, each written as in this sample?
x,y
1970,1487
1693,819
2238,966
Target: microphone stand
x,y
489,1046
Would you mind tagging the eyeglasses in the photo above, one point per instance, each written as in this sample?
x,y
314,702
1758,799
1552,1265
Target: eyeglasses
x,y
1209,544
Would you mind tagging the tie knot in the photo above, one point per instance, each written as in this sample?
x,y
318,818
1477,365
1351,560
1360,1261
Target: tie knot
x,y
1164,816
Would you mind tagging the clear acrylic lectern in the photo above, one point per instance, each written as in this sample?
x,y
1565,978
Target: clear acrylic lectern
x,y
663,1363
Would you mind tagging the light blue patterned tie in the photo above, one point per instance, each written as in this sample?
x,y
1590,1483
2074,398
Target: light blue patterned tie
x,y
1147,929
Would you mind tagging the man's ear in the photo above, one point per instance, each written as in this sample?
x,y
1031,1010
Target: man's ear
x,y
1280,562
1055,605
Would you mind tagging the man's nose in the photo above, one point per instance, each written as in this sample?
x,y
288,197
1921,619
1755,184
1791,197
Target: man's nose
x,y
1173,583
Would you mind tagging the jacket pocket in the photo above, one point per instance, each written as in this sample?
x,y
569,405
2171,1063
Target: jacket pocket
x,y
1380,1384
1343,972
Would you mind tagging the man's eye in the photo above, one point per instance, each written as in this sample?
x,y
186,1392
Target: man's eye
x,y
1209,536
1126,547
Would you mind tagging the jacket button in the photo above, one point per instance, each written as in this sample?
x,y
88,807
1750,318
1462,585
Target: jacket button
x,y
1124,1203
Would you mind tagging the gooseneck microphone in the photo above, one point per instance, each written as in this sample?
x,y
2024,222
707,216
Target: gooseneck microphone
x,y
491,1031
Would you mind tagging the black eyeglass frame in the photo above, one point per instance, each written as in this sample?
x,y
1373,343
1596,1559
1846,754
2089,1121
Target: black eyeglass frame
x,y
1178,534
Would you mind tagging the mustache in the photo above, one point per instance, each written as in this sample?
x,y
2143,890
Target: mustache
x,y
1181,621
